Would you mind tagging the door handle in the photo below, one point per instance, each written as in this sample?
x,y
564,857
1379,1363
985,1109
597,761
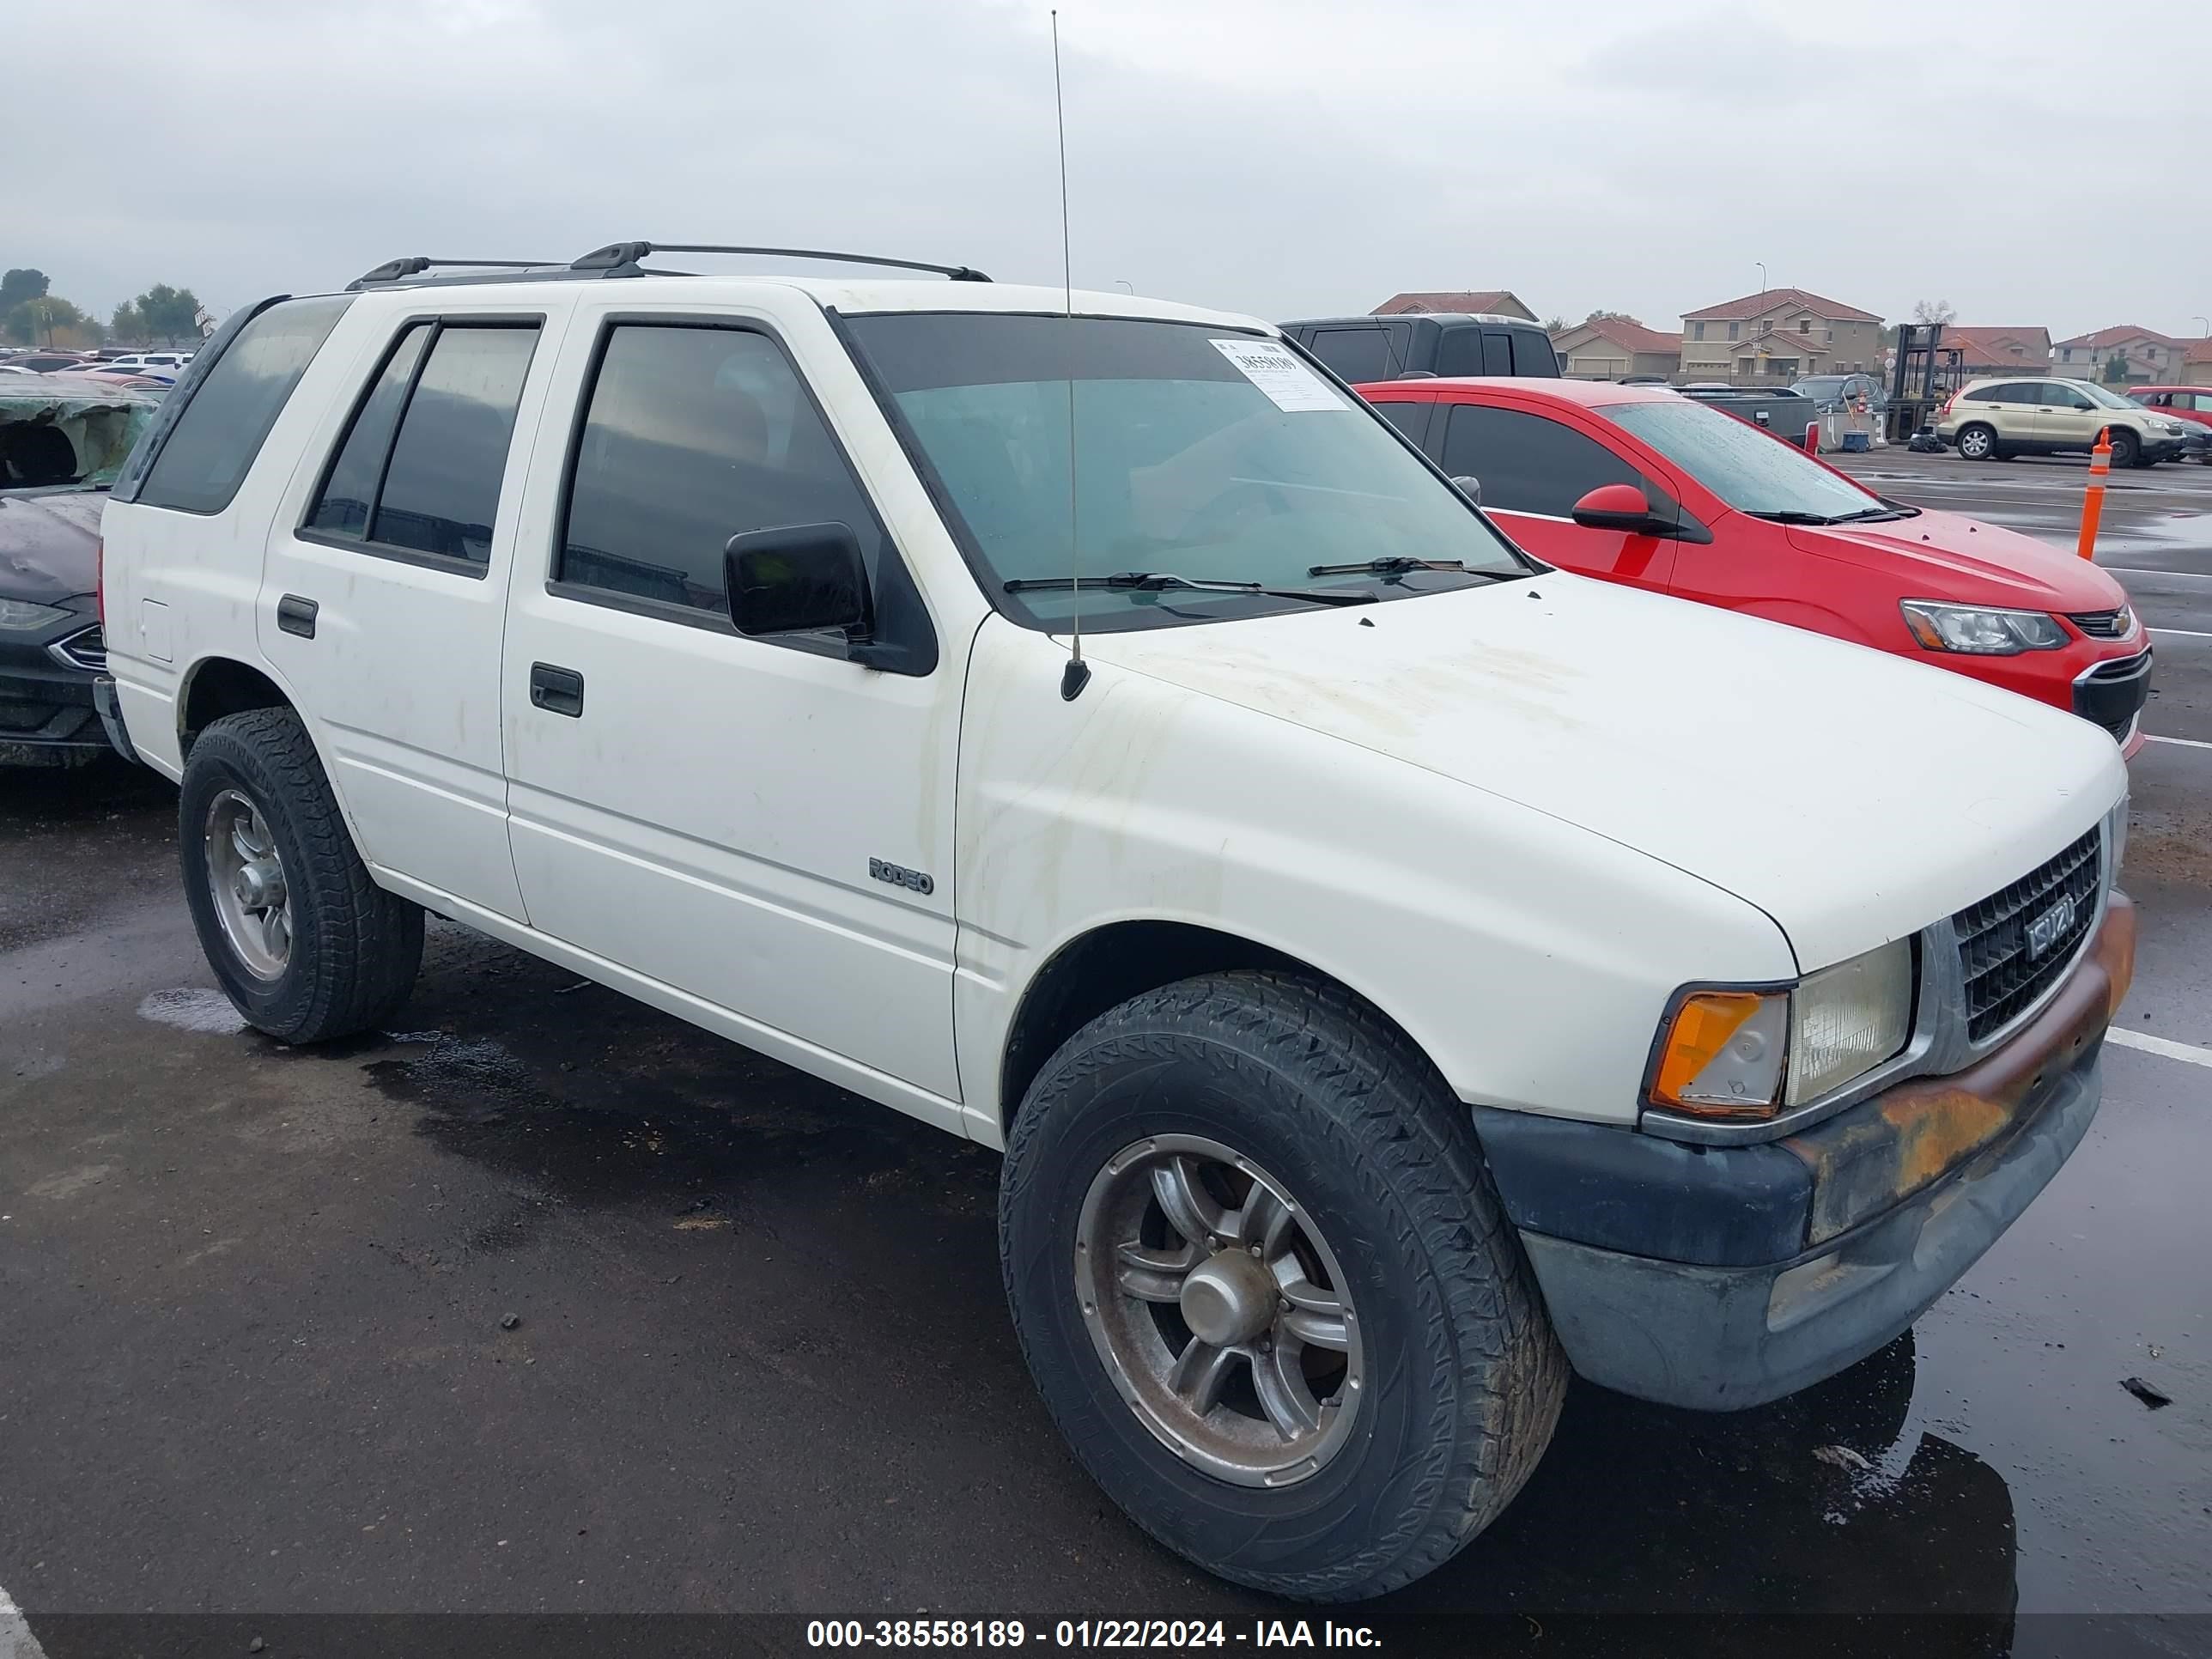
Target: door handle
x,y
296,616
557,690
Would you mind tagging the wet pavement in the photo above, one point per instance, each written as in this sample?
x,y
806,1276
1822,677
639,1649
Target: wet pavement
x,y
256,1359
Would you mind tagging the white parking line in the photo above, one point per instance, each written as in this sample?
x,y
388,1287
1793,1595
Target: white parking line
x,y
2131,570
16,1641
2152,1045
2181,743
2185,633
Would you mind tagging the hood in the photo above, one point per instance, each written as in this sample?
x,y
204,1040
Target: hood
x,y
1853,796
49,542
1946,555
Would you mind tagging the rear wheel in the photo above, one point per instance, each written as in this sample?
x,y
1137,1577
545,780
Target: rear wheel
x,y
1266,1291
1978,443
300,939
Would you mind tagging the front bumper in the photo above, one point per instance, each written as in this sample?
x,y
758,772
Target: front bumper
x,y
46,712
2112,693
1722,1276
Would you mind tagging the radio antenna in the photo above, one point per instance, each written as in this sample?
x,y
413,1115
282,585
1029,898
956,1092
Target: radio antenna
x,y
1077,674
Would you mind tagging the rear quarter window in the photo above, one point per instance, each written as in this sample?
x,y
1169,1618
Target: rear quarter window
x,y
206,453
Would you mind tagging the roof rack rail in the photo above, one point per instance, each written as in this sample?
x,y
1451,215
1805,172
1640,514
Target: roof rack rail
x,y
621,258
399,270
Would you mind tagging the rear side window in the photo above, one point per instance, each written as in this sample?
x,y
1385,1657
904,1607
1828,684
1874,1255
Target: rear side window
x,y
1357,354
1527,464
207,453
1496,353
1460,352
2007,393
694,433
1533,354
420,469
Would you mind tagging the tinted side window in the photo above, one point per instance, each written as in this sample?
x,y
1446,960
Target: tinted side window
x,y
692,434
1460,351
2005,392
1357,354
1533,354
350,491
1527,464
1411,419
207,453
441,486
1496,353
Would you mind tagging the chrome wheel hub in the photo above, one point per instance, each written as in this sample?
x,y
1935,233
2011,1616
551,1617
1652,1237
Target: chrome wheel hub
x,y
1219,1310
246,879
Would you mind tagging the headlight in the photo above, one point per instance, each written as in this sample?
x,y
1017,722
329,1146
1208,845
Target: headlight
x,y
2169,426
21,613
1746,1054
1979,631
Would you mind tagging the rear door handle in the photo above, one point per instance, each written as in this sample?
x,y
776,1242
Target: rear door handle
x,y
557,690
296,616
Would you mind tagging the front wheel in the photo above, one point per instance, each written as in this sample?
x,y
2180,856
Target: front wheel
x,y
2126,448
1266,1291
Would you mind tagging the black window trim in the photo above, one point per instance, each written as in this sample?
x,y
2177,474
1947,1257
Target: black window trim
x,y
1009,605
922,653
437,320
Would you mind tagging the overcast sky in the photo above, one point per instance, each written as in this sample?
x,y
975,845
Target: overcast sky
x,y
1285,158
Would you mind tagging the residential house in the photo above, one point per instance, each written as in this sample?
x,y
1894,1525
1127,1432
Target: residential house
x,y
1613,347
2148,358
2196,364
1489,301
2000,350
1777,336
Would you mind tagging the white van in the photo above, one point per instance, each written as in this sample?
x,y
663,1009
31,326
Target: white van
x,y
1397,971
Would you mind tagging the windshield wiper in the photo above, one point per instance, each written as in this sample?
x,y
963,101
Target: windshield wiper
x,y
1152,581
1397,565
1872,514
1791,515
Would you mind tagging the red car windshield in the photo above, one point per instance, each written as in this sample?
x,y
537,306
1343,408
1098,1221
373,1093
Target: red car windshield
x,y
1751,472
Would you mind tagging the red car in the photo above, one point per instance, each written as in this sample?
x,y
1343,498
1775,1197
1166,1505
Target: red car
x,y
1640,485
2184,403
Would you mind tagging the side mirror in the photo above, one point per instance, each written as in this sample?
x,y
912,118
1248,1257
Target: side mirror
x,y
797,578
1469,486
1621,507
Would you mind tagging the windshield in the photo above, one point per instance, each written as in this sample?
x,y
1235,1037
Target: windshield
x,y
2103,399
1200,452
53,439
1744,466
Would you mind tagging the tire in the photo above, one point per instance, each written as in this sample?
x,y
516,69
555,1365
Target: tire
x,y
1977,442
349,950
1316,1094
2127,448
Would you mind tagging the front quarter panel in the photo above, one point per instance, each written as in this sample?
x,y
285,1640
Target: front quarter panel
x,y
1531,960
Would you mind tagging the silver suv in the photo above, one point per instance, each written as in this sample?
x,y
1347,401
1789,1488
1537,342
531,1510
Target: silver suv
x,y
1996,419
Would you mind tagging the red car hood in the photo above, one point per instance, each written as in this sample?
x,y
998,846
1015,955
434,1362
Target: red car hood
x,y
1950,556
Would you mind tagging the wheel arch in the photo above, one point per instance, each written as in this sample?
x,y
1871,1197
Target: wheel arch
x,y
216,686
1114,961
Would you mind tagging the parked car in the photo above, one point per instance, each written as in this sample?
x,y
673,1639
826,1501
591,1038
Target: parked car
x,y
2191,405
171,363
1663,493
1427,343
128,373
41,362
1996,419
61,445
1394,970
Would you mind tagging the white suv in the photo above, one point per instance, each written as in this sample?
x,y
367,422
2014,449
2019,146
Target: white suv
x,y
1395,971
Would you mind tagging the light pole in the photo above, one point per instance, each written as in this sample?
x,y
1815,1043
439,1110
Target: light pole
x,y
1761,264
2206,321
1122,282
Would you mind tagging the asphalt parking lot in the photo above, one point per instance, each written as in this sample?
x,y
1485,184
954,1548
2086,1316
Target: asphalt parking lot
x,y
543,1302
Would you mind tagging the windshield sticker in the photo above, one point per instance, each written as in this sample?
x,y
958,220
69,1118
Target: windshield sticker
x,y
1289,384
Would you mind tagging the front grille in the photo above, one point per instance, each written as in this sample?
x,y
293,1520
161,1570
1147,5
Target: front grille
x,y
86,650
2002,976
2113,693
2112,624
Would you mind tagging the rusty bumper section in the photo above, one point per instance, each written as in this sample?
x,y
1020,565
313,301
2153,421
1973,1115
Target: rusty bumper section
x,y
1722,1278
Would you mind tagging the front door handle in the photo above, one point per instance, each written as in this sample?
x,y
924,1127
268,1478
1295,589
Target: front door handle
x,y
557,690
296,616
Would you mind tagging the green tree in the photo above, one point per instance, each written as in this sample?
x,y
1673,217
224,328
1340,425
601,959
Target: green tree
x,y
127,327
171,312
21,283
1613,316
35,321
2116,369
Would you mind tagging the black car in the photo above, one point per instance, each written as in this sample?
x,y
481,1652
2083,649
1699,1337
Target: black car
x,y
63,439
1379,348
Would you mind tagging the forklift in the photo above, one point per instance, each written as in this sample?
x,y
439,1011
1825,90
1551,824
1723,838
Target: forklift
x,y
1926,372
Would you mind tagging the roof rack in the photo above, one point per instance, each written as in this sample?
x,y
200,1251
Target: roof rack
x,y
621,258
399,270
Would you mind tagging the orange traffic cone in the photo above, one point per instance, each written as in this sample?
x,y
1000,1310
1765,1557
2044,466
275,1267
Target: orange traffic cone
x,y
2092,504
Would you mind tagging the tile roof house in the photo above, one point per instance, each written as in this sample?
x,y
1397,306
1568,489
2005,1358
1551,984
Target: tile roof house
x,y
1490,301
2147,357
1987,350
1776,336
1611,348
2196,364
